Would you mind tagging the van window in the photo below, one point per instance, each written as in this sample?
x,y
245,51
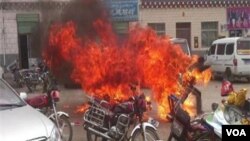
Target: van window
x,y
230,49
221,49
243,47
212,50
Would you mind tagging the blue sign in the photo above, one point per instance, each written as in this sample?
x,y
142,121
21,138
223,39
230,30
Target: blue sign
x,y
126,10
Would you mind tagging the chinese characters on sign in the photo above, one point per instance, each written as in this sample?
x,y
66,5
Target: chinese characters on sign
x,y
123,10
238,18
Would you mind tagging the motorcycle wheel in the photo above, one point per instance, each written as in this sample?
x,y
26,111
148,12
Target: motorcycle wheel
x,y
65,128
207,136
204,137
150,133
93,137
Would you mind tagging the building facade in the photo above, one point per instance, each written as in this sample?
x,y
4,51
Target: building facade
x,y
199,21
19,20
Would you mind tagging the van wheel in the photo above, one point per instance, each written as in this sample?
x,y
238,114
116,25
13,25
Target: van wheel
x,y
228,75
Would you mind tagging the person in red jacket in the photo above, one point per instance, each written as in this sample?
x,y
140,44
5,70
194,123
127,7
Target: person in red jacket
x,y
226,87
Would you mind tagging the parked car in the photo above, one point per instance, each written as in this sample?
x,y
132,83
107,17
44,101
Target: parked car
x,y
21,122
230,57
183,43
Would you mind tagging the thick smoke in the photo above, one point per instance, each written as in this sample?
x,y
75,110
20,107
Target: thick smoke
x,y
82,13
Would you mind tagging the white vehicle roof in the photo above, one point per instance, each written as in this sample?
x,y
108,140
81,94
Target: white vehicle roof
x,y
229,39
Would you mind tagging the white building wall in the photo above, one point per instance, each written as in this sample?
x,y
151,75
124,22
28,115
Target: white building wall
x,y
9,42
9,28
193,15
9,31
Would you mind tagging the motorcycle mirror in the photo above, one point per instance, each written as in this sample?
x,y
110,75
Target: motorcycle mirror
x,y
214,106
23,95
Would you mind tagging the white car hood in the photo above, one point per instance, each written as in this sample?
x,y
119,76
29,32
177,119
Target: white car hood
x,y
23,123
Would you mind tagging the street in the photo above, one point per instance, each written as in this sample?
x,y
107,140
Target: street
x,y
71,99
109,45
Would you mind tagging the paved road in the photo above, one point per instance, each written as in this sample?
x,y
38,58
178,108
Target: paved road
x,y
72,98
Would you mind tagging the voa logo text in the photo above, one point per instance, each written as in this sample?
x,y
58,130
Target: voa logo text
x,y
236,132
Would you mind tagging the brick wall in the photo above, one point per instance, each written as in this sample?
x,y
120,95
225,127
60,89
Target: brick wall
x,y
9,31
9,36
9,41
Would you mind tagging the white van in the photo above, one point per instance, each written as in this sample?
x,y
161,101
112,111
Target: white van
x,y
230,57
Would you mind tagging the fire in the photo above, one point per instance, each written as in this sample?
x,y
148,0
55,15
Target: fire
x,y
189,106
105,68
163,108
82,108
148,99
149,103
200,78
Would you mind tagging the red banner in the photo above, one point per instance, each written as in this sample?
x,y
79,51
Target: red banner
x,y
238,18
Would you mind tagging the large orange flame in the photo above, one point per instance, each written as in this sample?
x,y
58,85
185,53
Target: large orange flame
x,y
105,67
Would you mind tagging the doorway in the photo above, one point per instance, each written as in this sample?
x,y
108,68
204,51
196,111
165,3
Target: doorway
x,y
24,51
26,25
183,30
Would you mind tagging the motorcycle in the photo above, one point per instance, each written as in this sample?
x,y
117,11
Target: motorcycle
x,y
183,128
46,103
31,78
104,121
228,114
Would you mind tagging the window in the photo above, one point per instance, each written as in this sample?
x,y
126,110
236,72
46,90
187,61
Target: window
x,y
121,29
158,27
221,49
183,30
212,50
243,47
230,49
209,33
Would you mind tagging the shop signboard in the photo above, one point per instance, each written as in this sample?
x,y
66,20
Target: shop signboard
x,y
238,18
123,10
